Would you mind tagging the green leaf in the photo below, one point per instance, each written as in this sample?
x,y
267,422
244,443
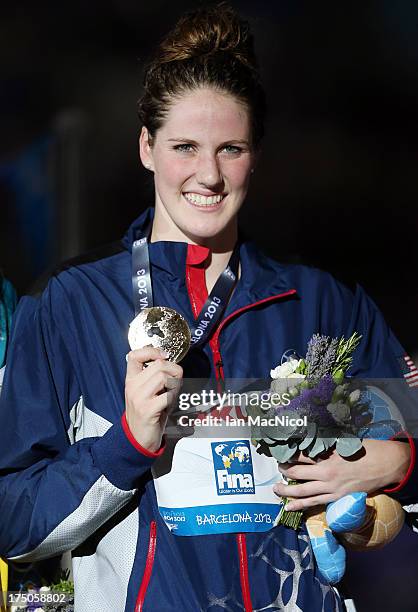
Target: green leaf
x,y
309,437
338,377
317,448
339,393
347,445
329,441
340,412
279,432
301,369
283,452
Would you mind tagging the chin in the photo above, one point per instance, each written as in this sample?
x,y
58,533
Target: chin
x,y
201,234
207,233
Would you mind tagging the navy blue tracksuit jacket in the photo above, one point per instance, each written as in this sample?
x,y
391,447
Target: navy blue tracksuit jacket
x,y
70,477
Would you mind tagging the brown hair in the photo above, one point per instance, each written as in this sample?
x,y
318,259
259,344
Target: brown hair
x,y
207,47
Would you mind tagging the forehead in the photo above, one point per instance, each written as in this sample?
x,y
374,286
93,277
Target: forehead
x,y
206,113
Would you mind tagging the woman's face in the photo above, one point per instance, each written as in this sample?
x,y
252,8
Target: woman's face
x,y
202,159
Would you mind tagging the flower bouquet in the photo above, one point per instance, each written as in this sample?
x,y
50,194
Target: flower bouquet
x,y
333,411
327,413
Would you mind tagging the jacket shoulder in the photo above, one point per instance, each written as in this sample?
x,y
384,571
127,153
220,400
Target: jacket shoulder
x,y
306,277
94,259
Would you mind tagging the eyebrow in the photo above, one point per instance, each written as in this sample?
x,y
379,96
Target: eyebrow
x,y
190,141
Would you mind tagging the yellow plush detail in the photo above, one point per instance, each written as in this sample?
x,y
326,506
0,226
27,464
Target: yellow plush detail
x,y
384,521
316,522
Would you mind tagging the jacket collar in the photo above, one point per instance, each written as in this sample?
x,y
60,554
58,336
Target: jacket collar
x,y
261,277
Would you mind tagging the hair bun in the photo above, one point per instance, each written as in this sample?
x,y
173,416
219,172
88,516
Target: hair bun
x,y
206,32
209,47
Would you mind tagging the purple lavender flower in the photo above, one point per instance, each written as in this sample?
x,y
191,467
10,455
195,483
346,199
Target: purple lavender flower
x,y
321,356
313,402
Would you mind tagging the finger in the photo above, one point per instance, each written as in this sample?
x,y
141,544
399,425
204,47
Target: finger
x,y
162,376
172,370
306,489
161,404
301,471
151,411
136,359
154,378
310,502
149,386
174,384
301,458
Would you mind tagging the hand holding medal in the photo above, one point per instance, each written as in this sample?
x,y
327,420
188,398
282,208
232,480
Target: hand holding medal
x,y
162,328
159,337
149,391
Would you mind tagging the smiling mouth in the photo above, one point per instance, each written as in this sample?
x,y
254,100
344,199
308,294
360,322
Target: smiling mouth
x,y
204,201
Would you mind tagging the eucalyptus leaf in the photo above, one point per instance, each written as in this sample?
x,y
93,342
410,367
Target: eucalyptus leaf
x,y
278,432
283,452
317,448
271,442
339,411
256,432
347,445
339,393
310,435
329,441
293,392
279,385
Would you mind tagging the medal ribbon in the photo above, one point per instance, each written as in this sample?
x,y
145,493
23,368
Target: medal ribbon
x,y
213,307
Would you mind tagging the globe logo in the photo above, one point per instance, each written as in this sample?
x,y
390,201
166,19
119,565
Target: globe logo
x,y
233,467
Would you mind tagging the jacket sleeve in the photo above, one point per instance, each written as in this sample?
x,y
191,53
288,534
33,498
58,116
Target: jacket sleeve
x,y
381,356
54,494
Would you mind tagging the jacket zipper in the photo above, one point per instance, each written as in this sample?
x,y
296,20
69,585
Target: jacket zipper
x,y
152,543
219,373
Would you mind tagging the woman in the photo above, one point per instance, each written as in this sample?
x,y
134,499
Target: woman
x,y
79,476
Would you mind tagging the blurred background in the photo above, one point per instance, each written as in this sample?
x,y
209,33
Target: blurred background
x,y
336,185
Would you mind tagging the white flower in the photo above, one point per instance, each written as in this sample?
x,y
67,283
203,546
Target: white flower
x,y
354,397
286,369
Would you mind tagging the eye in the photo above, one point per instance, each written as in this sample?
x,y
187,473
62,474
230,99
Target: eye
x,y
232,149
183,148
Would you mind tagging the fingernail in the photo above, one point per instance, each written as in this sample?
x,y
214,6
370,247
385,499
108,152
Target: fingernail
x,y
289,507
164,354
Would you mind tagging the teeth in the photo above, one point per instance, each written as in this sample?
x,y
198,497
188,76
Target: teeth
x,y
196,198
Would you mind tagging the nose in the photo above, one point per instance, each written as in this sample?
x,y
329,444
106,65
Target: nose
x,y
208,172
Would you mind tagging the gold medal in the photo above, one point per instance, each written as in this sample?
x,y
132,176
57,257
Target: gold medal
x,y
162,328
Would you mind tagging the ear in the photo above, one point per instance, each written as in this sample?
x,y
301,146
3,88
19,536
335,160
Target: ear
x,y
145,149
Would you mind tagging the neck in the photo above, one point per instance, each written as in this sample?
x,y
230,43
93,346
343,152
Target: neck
x,y
221,245
217,265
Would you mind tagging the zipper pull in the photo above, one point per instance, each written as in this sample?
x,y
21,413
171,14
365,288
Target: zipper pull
x,y
220,375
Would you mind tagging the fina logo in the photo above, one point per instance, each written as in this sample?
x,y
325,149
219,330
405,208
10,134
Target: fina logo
x,y
233,467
